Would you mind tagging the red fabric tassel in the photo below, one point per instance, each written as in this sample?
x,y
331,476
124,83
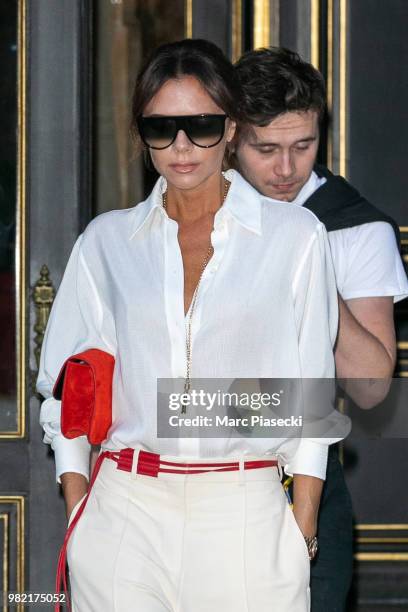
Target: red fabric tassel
x,y
61,565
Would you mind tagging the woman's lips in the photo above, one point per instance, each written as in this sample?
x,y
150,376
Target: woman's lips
x,y
183,168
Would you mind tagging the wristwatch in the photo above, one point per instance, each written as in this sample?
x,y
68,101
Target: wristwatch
x,y
312,546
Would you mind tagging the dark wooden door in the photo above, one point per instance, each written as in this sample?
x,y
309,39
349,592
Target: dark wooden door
x,y
46,199
44,203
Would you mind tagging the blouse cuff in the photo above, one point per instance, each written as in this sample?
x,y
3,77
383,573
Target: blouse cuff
x,y
310,459
71,455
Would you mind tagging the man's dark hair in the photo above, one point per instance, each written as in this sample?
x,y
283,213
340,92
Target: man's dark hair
x,y
274,81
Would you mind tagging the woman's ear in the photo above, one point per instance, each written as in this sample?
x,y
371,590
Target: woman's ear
x,y
231,130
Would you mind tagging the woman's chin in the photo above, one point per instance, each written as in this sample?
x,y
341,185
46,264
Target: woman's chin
x,y
186,180
190,180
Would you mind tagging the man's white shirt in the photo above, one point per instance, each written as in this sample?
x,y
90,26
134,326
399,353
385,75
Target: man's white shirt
x,y
366,258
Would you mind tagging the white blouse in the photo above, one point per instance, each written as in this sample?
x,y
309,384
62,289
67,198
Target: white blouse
x,y
266,308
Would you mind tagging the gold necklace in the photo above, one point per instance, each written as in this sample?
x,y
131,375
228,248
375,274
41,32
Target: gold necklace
x,y
187,382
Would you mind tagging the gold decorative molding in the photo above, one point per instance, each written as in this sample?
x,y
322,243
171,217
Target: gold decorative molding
x,y
378,555
381,526
381,556
4,517
21,228
262,24
315,33
343,90
19,502
21,232
188,18
404,242
236,30
382,540
43,297
330,79
402,361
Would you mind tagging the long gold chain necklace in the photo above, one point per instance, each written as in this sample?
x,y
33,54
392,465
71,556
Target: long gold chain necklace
x,y
187,382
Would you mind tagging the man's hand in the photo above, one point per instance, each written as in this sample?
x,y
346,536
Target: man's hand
x,y
74,486
307,491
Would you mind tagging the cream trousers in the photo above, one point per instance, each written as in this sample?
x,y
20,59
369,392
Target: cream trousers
x,y
212,542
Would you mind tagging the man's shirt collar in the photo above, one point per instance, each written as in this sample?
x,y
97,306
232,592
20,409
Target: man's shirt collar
x,y
312,184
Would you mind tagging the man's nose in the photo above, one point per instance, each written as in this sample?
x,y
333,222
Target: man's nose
x,y
284,165
182,142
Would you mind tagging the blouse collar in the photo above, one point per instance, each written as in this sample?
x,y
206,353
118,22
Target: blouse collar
x,y
243,203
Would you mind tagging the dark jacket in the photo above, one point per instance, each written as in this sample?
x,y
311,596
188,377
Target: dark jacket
x,y
339,205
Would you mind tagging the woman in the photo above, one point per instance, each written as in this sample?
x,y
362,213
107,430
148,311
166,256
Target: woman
x,y
203,279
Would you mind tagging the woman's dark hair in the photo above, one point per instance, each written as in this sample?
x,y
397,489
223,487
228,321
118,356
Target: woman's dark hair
x,y
194,57
274,81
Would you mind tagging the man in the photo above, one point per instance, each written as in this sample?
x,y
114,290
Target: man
x,y
283,104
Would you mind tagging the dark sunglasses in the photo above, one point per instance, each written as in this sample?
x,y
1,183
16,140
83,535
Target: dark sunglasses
x,y
202,130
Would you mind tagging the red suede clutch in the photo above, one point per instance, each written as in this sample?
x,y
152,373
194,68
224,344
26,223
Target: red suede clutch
x,y
84,386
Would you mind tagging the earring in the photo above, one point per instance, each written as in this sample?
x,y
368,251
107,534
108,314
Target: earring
x,y
148,160
229,160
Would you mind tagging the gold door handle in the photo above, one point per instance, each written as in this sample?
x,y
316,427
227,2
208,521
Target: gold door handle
x,y
43,296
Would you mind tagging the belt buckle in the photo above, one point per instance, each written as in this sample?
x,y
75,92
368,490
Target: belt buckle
x,y
148,463
125,459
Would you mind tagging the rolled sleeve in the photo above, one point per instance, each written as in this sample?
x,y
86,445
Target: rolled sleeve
x,y
316,309
76,323
71,455
310,460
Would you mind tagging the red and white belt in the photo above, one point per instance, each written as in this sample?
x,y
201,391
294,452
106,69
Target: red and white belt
x,y
148,464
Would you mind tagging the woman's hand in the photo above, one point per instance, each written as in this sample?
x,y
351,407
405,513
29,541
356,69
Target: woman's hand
x,y
74,486
307,522
307,491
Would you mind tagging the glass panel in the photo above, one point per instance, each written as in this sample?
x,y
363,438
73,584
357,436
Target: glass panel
x,y
8,165
125,32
